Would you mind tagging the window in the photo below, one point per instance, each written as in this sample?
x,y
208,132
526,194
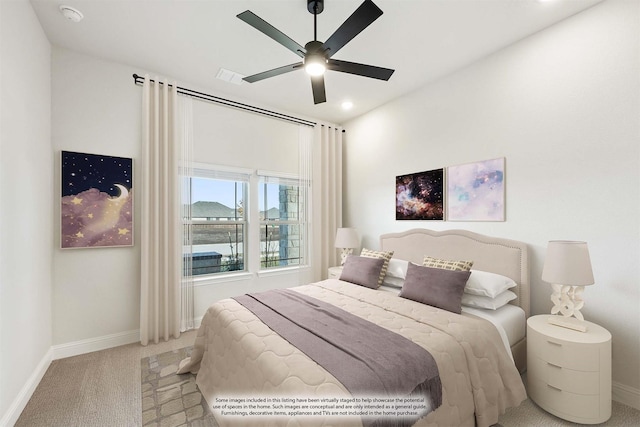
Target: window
x,y
223,222
218,226
282,222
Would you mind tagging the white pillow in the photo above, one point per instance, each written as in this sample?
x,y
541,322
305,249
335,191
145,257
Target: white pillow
x,y
486,302
397,268
394,282
487,284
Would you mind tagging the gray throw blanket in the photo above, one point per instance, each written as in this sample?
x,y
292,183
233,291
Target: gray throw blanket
x,y
367,359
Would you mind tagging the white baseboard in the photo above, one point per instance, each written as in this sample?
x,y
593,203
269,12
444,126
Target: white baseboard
x,y
95,344
17,406
626,395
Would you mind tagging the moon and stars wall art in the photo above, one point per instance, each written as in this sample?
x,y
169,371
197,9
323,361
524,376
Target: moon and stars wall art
x,y
97,201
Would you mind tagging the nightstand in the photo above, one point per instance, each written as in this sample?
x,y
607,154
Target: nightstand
x,y
334,272
569,372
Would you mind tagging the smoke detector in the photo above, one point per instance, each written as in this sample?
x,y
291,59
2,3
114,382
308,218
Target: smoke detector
x,y
72,14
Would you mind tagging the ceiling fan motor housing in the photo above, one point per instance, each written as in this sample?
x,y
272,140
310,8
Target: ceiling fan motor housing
x,y
315,49
315,6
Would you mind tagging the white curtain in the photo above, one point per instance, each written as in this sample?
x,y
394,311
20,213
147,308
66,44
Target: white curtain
x,y
161,228
185,116
326,197
305,156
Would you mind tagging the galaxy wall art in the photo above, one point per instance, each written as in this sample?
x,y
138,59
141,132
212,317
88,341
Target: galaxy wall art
x,y
420,196
475,191
97,201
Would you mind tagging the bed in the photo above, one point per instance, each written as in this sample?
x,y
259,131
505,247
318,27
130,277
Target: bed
x,y
240,358
498,255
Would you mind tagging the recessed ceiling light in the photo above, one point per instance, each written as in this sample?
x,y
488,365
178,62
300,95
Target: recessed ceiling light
x,y
72,14
347,105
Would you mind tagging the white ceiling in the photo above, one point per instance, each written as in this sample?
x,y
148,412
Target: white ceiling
x,y
190,40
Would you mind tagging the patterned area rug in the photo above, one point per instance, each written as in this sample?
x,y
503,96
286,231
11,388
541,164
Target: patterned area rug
x,y
169,399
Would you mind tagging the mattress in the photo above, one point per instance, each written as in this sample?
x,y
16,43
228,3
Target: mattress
x,y
236,353
509,320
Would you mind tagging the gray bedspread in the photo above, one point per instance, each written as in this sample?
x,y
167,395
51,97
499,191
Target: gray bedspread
x,y
367,359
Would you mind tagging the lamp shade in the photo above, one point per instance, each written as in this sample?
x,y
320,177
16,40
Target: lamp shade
x,y
568,263
347,238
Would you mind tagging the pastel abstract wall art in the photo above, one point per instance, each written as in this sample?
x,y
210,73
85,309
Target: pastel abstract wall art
x,y
476,191
97,201
420,196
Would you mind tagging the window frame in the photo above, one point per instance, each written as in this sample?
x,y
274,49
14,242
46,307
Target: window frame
x,y
302,214
221,173
252,223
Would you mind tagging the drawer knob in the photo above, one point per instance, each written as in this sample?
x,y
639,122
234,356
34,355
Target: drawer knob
x,y
554,343
554,365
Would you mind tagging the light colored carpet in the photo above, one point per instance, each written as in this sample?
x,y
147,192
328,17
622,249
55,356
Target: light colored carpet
x,y
103,389
530,414
100,389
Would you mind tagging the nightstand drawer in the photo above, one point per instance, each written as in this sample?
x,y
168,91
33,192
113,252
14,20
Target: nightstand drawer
x,y
564,403
579,357
579,382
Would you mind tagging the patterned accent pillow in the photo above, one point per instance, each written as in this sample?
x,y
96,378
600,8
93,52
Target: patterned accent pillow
x,y
447,264
379,254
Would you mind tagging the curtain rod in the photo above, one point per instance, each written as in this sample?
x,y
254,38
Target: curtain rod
x,y
215,99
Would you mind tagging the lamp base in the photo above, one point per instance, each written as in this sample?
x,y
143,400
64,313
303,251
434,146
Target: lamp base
x,y
344,254
567,300
568,322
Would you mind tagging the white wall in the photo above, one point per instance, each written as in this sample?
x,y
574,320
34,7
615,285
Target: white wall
x,y
26,196
96,109
563,107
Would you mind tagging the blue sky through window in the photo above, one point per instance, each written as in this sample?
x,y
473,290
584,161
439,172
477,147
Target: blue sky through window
x,y
212,190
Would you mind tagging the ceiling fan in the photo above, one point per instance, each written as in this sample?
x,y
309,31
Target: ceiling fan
x,y
317,56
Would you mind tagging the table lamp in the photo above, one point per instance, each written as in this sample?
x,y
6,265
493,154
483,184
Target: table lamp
x,y
568,268
346,239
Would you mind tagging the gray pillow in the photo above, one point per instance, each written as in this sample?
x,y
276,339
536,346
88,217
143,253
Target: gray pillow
x,y
362,271
435,286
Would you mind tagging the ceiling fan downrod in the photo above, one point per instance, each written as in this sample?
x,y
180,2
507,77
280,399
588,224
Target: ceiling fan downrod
x,y
315,7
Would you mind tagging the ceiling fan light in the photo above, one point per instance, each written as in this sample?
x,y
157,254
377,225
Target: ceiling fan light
x,y
315,65
315,69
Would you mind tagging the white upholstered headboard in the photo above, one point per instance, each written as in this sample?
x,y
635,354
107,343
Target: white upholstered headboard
x,y
494,254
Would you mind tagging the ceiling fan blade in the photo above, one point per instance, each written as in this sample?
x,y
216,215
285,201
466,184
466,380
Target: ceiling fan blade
x,y
263,26
272,73
358,21
317,85
360,69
